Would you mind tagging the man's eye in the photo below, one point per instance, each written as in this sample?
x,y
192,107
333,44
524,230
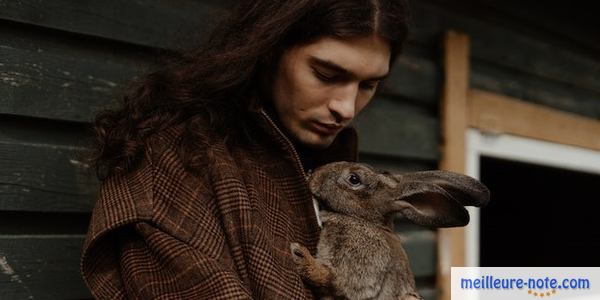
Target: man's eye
x,y
369,85
325,77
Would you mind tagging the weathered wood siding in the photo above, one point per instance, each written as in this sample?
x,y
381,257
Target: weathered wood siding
x,y
63,61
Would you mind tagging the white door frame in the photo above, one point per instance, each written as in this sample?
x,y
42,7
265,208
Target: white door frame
x,y
521,149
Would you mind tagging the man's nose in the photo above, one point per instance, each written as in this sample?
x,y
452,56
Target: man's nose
x,y
343,105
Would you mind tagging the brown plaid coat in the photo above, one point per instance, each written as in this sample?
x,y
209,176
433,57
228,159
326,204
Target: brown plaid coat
x,y
160,232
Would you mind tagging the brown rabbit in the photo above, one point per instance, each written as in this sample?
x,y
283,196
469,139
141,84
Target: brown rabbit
x,y
358,255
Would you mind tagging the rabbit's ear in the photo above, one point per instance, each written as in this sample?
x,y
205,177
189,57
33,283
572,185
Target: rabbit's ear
x,y
437,198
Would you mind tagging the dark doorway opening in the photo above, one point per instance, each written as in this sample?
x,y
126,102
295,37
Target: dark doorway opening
x,y
539,216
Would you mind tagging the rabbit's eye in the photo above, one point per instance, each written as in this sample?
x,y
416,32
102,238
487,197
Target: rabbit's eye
x,y
354,179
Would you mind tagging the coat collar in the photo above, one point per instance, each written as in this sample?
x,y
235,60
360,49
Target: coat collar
x,y
343,148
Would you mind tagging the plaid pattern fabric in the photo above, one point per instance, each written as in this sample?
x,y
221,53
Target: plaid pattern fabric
x,y
160,232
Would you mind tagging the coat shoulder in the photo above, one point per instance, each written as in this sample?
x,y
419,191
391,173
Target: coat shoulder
x,y
159,181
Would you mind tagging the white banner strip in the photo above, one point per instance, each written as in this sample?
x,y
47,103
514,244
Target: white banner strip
x,y
516,283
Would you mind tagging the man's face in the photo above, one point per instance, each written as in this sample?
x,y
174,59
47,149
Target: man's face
x,y
320,87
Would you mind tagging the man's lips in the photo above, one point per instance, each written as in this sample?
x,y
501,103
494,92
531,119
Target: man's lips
x,y
326,128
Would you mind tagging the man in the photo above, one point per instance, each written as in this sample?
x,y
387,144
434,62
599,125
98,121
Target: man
x,y
204,166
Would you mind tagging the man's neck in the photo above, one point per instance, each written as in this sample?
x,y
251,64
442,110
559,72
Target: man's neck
x,y
306,154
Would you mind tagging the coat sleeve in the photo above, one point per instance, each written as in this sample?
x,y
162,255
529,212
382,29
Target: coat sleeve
x,y
139,261
154,264
134,250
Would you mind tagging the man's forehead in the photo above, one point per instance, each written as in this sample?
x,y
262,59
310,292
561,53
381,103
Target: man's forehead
x,y
337,67
365,57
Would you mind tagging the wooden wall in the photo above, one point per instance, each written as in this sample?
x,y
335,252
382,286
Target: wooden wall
x,y
62,61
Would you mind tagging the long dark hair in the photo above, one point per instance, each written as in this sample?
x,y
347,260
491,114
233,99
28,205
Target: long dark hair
x,y
220,81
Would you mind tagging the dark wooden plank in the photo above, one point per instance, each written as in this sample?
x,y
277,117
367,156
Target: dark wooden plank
x,y
573,28
43,169
420,246
497,44
414,76
25,130
428,293
38,223
576,25
530,88
394,128
396,164
42,75
532,56
41,267
491,72
155,23
44,178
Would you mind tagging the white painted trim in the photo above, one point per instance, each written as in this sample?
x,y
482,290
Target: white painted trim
x,y
521,149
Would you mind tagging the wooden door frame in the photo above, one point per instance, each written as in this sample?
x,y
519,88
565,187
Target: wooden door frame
x,y
463,107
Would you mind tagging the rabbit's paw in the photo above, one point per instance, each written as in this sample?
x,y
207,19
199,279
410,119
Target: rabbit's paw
x,y
303,260
300,254
313,270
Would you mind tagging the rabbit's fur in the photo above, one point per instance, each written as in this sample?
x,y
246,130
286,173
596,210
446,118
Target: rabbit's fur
x,y
358,255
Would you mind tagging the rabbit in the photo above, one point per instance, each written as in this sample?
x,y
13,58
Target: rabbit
x,y
358,254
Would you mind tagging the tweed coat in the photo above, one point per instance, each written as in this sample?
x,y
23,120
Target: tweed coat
x,y
159,232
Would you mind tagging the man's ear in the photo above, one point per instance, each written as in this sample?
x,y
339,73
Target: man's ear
x,y
437,198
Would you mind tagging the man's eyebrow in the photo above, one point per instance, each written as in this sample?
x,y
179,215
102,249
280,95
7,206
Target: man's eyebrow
x,y
337,68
